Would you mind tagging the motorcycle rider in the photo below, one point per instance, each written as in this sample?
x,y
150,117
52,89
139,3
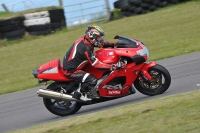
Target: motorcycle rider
x,y
79,55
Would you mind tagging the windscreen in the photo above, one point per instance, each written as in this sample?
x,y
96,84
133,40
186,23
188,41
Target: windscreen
x,y
124,42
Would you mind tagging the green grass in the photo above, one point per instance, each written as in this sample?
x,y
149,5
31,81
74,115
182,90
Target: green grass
x,y
174,114
166,33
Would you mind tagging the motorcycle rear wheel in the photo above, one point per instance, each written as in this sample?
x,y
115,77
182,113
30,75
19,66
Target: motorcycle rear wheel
x,y
60,108
160,82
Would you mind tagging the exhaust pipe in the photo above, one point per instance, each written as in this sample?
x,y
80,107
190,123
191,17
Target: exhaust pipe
x,y
56,95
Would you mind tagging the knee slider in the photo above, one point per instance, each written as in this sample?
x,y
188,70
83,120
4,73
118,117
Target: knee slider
x,y
89,83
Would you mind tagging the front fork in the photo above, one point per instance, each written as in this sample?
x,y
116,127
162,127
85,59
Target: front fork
x,y
144,70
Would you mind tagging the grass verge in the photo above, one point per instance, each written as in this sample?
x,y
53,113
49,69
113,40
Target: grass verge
x,y
166,33
175,114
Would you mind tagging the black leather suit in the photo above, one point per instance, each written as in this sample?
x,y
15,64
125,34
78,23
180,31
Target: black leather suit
x,y
77,57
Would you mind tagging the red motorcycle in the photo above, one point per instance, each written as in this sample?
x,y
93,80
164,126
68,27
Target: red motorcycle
x,y
148,78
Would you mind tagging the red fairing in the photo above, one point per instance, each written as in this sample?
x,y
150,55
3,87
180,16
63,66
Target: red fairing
x,y
51,70
107,56
145,68
129,73
114,83
51,64
97,73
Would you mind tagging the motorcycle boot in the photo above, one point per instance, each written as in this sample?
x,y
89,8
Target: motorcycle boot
x,y
85,91
81,94
90,90
85,97
93,92
77,95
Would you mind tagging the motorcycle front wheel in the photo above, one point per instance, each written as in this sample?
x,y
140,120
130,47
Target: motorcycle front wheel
x,y
160,82
58,107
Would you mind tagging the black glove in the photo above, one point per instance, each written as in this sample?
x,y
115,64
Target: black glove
x,y
118,65
115,66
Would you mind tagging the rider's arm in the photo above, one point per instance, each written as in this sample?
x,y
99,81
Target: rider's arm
x,y
95,62
109,44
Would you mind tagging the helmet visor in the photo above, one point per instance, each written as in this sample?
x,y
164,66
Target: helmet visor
x,y
100,38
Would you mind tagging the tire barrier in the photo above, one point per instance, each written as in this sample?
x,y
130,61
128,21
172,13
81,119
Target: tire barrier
x,y
14,35
37,23
36,15
57,18
41,29
137,7
57,26
1,36
45,22
12,29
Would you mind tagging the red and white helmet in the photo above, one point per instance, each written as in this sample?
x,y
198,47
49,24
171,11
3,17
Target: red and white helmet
x,y
95,35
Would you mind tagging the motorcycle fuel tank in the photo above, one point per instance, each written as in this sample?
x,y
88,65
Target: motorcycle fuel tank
x,y
107,56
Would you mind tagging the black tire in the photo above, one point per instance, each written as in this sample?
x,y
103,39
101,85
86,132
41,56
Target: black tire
x,y
158,85
120,3
132,9
42,32
125,6
152,8
34,28
116,4
55,108
156,2
13,27
54,19
13,35
173,1
1,36
57,26
11,21
138,10
144,6
147,1
163,4
135,2
14,38
39,21
36,15
56,12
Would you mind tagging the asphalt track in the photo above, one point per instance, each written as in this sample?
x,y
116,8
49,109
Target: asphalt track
x,y
25,109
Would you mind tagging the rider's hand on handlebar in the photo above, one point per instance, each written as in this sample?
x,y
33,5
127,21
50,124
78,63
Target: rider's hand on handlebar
x,y
118,65
123,64
114,67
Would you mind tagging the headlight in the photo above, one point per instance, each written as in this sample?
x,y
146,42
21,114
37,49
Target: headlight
x,y
143,52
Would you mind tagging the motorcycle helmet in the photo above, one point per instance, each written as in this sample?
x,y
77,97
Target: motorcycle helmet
x,y
95,35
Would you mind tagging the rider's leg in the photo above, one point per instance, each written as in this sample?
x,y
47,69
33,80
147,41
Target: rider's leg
x,y
87,81
89,86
